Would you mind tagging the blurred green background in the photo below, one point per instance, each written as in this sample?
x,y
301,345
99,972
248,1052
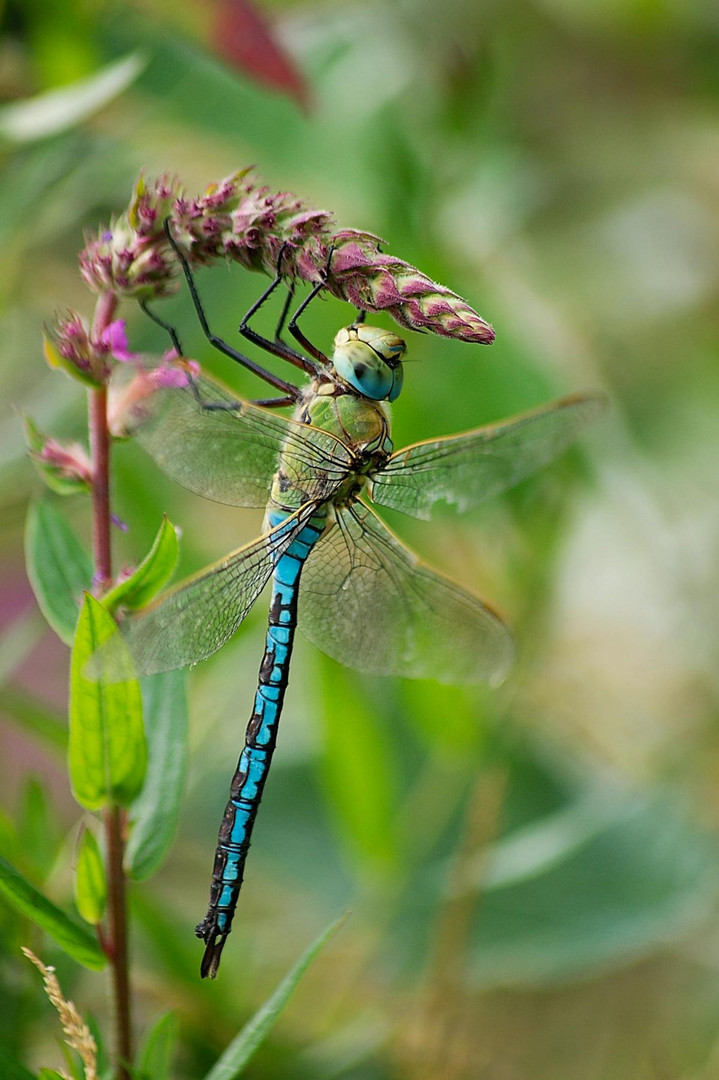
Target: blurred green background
x,y
533,872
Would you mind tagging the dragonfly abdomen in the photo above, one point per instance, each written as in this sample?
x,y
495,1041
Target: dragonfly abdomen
x,y
261,736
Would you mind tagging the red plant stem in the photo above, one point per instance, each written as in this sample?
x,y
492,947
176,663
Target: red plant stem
x,y
100,453
117,917
116,941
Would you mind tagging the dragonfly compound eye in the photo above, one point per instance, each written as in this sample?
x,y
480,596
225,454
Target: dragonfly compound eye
x,y
370,360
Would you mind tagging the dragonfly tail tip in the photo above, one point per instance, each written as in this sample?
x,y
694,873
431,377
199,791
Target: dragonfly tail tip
x,y
214,943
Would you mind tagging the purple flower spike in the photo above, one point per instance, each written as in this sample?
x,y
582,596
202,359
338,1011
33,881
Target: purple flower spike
x,y
367,278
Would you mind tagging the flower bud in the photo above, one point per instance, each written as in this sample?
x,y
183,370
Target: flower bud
x,y
67,345
66,468
364,276
132,257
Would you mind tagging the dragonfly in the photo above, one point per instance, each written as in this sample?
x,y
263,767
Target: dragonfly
x,y
358,593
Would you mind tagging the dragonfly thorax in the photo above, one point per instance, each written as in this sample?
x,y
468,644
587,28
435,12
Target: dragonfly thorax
x,y
370,361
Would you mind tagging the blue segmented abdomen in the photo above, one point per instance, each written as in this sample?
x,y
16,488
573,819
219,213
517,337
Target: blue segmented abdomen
x,y
249,779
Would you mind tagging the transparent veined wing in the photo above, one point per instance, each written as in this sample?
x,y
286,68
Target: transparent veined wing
x,y
198,616
367,601
227,450
466,469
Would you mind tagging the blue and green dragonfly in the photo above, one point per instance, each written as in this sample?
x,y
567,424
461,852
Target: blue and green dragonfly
x,y
359,594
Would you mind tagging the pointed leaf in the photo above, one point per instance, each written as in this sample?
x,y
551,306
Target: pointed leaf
x,y
152,573
56,110
153,1059
58,567
72,938
90,883
49,1074
243,1046
107,753
154,814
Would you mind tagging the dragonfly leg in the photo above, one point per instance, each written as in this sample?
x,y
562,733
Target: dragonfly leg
x,y
278,347
294,328
273,403
165,326
285,311
288,389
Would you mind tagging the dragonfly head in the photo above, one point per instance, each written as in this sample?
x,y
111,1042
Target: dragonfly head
x,y
370,360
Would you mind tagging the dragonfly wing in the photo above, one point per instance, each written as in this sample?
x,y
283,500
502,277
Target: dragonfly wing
x,y
226,449
367,601
197,617
466,469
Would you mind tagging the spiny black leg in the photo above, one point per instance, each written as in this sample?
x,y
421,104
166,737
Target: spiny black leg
x,y
287,389
284,313
274,403
165,326
361,316
292,324
277,347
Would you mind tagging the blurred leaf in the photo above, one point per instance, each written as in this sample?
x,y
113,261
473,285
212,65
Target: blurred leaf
x,y
241,1049
72,938
154,814
90,883
9,845
107,753
17,642
37,828
50,1074
57,110
58,567
602,882
155,1054
357,765
34,717
244,37
152,573
10,1069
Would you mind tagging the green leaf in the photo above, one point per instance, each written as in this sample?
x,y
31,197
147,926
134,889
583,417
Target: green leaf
x,y
153,1059
10,1069
72,938
154,814
37,830
49,1074
253,1034
57,110
58,567
152,573
90,883
107,752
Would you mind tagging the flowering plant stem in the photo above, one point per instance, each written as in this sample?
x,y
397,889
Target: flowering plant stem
x,y
114,819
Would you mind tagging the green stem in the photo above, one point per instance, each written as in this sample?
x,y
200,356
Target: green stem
x,y
117,945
